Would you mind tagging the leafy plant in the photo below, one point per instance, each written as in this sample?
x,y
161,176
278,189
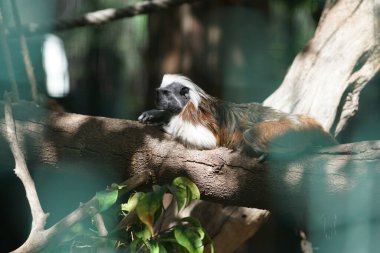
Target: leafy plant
x,y
187,235
139,226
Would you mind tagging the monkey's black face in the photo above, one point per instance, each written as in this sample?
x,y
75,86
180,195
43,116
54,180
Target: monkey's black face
x,y
172,98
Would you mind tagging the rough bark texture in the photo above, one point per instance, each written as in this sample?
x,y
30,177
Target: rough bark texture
x,y
324,81
223,176
326,78
228,226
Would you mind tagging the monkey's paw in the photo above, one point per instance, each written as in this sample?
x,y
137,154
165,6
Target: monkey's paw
x,y
145,117
148,117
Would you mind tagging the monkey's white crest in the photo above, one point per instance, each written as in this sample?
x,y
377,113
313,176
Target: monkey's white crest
x,y
195,92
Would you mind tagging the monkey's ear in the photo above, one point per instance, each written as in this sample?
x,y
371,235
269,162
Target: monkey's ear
x,y
185,92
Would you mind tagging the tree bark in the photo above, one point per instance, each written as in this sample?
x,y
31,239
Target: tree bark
x,y
324,81
327,76
223,176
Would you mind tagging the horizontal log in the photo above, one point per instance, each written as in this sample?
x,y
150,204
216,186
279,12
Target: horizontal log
x,y
328,179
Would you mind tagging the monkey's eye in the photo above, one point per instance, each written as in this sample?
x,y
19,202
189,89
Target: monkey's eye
x,y
184,92
162,92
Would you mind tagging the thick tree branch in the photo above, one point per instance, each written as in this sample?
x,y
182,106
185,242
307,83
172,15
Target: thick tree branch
x,y
327,76
223,176
328,68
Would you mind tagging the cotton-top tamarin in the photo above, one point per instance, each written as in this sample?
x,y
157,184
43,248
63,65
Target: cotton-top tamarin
x,y
201,121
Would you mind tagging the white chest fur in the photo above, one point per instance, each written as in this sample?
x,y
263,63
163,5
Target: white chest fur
x,y
196,136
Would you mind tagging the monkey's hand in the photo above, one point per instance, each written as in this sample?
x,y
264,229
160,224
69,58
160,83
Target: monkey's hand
x,y
154,116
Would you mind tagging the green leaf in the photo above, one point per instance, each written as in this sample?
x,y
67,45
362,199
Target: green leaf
x,y
147,206
143,234
189,239
162,248
208,240
189,196
159,191
118,186
196,225
78,228
200,230
132,202
106,199
175,247
193,221
153,246
183,181
179,193
134,244
212,250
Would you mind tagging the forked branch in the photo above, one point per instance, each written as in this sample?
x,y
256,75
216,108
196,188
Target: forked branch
x,y
39,237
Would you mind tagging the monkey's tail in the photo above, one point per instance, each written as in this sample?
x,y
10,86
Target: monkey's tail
x,y
320,137
288,136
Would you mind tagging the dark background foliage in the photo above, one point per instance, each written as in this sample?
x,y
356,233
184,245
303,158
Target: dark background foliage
x,y
235,50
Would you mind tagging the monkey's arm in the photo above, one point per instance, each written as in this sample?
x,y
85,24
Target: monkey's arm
x,y
155,116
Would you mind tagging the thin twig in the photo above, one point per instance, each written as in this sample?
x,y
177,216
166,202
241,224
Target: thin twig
x,y
85,210
104,16
39,237
29,67
102,231
126,221
8,60
25,53
306,246
99,223
82,211
21,170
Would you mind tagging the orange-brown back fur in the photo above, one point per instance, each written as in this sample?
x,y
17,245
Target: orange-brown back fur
x,y
264,129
